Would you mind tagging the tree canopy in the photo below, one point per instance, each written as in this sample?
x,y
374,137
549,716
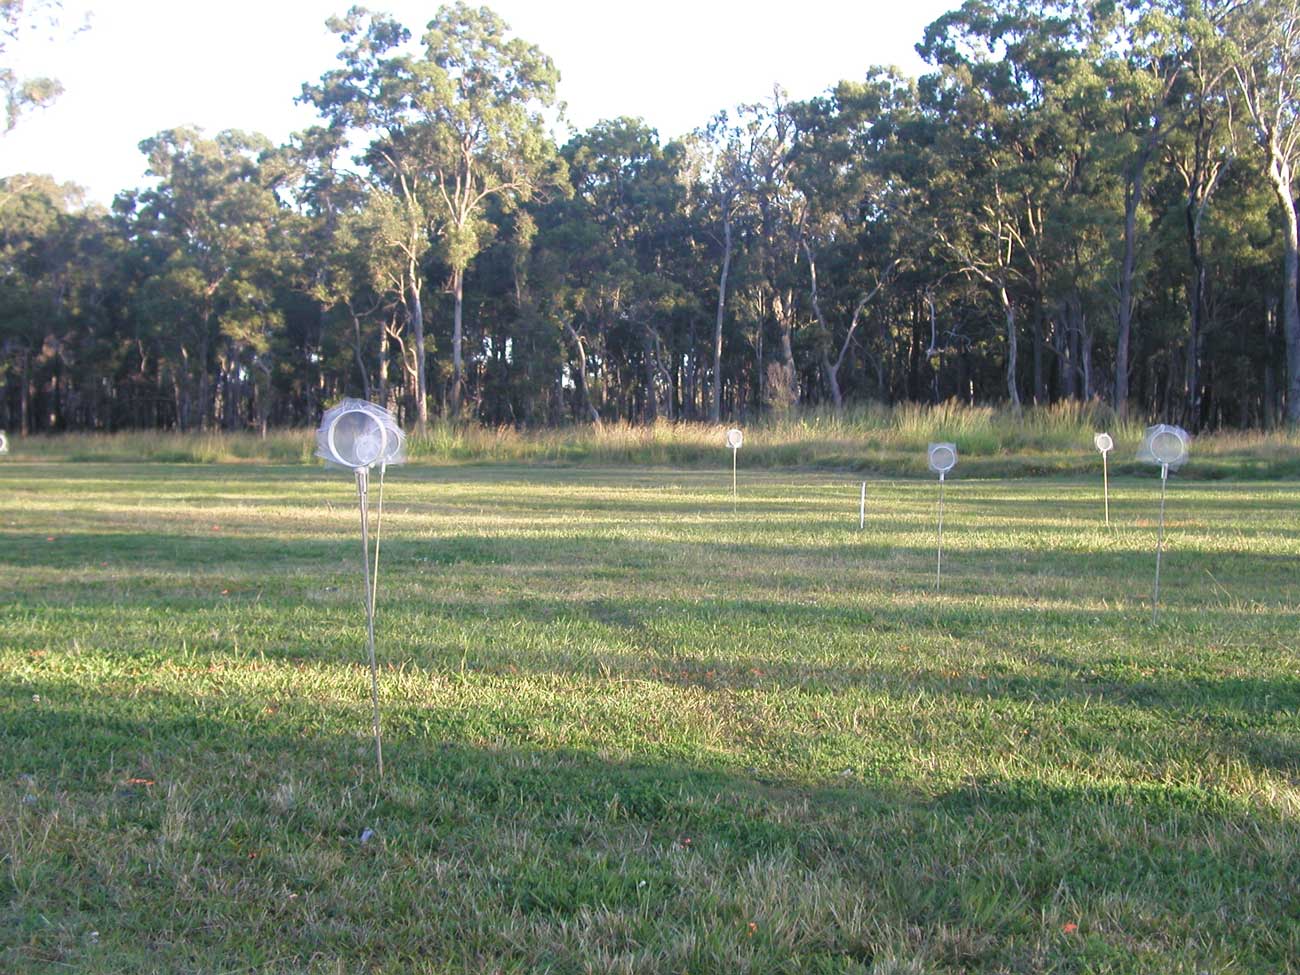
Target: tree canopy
x,y
1076,200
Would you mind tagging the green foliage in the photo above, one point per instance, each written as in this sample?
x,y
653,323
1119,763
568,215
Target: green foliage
x,y
19,18
1076,199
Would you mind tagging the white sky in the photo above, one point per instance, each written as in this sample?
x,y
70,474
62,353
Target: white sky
x,y
148,65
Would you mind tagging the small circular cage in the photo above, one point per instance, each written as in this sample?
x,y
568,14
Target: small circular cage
x,y
4,442
1103,442
942,457
358,435
1166,446
395,437
735,438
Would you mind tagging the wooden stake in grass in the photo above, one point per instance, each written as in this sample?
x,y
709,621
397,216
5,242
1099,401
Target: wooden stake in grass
x,y
862,509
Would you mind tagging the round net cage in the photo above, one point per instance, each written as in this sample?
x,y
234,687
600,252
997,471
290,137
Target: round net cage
x,y
942,457
1103,442
395,437
1165,445
357,435
735,438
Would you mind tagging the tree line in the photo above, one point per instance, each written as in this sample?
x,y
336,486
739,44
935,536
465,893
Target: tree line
x,y
1078,199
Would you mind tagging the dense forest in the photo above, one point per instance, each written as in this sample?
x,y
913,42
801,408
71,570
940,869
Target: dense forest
x,y
1079,199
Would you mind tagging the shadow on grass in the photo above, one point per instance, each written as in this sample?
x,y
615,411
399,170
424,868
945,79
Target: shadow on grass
x,y
549,857
204,548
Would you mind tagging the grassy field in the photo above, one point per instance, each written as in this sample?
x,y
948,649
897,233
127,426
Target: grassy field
x,y
630,729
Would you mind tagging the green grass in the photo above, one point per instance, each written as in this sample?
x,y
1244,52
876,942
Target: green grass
x,y
630,729
873,439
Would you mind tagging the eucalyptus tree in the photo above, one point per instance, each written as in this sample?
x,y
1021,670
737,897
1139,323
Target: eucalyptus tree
x,y
1200,152
718,171
780,210
375,95
17,19
996,63
37,251
564,262
450,127
210,228
482,97
330,259
627,193
1141,48
1263,54
852,208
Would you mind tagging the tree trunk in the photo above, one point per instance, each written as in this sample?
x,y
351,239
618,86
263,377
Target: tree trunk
x,y
415,312
1280,175
1132,201
1012,346
650,406
715,408
1192,371
1270,370
833,381
582,372
1068,351
457,341
1040,377
25,399
205,381
782,305
831,370
385,337
356,348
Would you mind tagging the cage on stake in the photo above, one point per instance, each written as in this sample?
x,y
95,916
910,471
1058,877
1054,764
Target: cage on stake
x,y
1105,444
360,436
1168,447
941,458
735,439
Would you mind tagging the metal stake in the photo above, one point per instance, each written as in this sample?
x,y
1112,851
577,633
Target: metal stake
x,y
1105,481
363,484
1160,543
938,569
862,509
379,528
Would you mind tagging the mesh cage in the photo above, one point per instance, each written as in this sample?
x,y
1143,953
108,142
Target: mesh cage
x,y
1166,446
942,457
1103,442
735,438
356,434
395,442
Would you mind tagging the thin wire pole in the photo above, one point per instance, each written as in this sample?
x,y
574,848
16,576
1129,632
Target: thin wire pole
x,y
379,528
363,484
734,452
1160,543
862,509
938,569
1105,480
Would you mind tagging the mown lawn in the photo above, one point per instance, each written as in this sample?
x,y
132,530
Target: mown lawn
x,y
628,729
